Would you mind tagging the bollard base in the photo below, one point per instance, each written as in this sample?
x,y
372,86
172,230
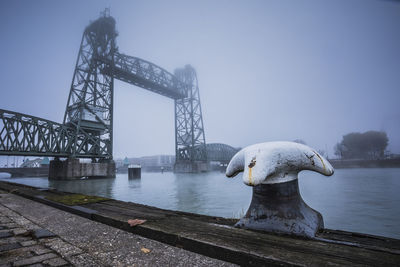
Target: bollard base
x,y
279,208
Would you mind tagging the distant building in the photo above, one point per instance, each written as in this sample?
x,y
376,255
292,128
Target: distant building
x,y
149,163
158,162
126,162
45,162
36,163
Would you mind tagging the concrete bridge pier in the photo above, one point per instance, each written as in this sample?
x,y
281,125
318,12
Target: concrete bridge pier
x,y
71,168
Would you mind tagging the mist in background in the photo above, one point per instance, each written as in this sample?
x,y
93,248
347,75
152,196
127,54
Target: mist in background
x,y
267,70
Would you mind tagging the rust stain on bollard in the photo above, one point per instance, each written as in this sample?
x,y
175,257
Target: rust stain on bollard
x,y
251,165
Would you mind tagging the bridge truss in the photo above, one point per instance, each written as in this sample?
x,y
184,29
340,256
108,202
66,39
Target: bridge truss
x,y
220,152
87,128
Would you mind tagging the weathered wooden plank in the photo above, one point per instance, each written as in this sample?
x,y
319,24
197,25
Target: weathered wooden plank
x,y
363,240
164,212
282,248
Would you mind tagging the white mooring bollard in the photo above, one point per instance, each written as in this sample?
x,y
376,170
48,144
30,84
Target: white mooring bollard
x,y
272,169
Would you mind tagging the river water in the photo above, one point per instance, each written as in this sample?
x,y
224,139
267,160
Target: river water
x,y
358,200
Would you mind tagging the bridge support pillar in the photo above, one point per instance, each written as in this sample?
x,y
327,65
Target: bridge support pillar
x,y
73,169
191,167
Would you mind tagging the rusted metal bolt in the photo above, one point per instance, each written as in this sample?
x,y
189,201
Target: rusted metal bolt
x,y
272,169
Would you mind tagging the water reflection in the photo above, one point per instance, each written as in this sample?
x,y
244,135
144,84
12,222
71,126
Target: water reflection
x,y
359,200
189,192
135,183
198,192
100,187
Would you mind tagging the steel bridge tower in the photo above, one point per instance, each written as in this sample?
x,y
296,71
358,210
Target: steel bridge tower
x,y
90,102
190,141
87,129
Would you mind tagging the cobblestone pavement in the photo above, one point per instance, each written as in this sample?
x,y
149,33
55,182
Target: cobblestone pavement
x,y
34,234
25,243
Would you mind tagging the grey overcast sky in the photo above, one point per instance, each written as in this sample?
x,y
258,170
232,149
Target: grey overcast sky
x,y
268,70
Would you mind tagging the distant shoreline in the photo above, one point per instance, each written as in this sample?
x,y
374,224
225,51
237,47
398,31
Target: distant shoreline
x,y
360,163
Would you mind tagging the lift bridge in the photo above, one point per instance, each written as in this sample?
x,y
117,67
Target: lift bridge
x,y
87,128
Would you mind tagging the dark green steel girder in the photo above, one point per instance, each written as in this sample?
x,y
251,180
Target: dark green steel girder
x,y
220,152
146,75
26,135
87,128
190,141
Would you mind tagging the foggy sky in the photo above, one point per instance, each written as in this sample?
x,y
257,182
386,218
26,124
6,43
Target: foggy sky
x,y
267,70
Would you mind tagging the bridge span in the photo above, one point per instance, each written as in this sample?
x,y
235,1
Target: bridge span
x,y
87,128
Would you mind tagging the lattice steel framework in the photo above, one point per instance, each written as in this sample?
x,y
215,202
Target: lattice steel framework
x,y
190,142
90,102
220,152
147,75
87,129
22,134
